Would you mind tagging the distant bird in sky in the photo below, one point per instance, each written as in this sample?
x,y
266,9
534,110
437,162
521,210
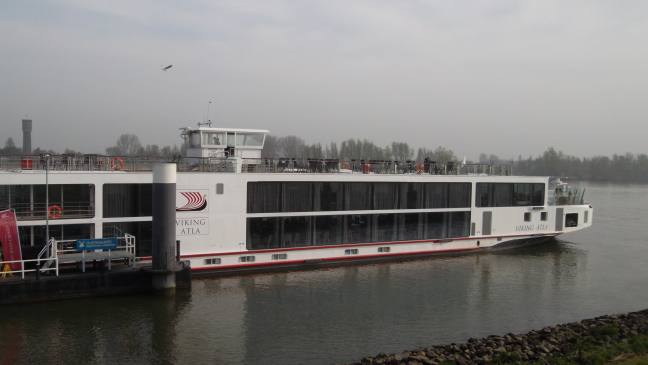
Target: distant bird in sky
x,y
166,68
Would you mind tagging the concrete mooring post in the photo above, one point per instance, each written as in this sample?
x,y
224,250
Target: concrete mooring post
x,y
165,264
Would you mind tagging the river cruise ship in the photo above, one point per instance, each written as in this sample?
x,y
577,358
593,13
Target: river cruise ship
x,y
237,211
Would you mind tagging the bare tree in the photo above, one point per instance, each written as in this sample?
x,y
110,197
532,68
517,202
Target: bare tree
x,y
402,151
271,148
292,146
127,145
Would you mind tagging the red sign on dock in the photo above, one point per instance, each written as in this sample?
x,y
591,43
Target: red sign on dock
x,y
10,240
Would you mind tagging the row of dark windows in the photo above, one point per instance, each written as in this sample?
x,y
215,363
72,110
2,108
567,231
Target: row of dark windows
x,y
324,230
76,200
29,200
274,197
509,195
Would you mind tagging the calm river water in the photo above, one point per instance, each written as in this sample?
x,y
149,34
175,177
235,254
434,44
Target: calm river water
x,y
342,314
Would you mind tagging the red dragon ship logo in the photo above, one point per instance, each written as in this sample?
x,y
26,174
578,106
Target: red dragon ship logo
x,y
195,201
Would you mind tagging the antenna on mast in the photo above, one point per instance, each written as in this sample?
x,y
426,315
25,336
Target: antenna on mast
x,y
208,122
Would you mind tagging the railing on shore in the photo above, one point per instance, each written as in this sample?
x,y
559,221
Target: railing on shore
x,y
71,163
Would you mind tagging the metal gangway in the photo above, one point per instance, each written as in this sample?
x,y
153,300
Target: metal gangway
x,y
57,252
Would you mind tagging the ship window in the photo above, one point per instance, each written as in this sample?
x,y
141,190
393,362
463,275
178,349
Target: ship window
x,y
436,225
410,227
353,251
357,228
328,229
297,197
195,139
263,197
436,195
219,188
459,195
571,220
263,233
246,259
328,196
216,261
386,228
459,224
385,196
411,196
384,249
127,200
249,139
296,232
280,256
527,217
213,138
357,196
543,216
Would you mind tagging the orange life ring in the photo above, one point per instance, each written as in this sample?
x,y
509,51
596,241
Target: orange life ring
x,y
116,163
420,168
345,165
54,212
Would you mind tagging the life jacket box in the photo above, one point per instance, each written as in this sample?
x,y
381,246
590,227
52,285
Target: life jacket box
x,y
27,163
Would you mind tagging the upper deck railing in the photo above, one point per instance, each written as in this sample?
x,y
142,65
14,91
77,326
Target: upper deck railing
x,y
70,163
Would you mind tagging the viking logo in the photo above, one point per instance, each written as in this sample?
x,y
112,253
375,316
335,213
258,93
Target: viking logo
x,y
195,202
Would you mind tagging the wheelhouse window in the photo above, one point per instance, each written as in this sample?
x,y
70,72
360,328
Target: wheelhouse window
x,y
213,139
250,139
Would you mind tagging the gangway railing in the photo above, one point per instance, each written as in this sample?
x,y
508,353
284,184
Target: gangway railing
x,y
49,263
56,252
67,252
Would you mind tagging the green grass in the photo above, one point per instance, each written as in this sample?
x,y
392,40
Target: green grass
x,y
599,349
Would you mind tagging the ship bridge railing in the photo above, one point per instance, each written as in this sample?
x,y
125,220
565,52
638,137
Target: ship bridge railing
x,y
71,163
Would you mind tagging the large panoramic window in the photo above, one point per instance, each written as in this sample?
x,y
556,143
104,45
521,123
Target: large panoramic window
x,y
275,197
287,232
509,195
127,200
29,201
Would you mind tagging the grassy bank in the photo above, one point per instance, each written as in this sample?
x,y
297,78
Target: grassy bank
x,y
604,348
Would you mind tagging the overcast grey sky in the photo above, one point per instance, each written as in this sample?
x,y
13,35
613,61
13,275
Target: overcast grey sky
x,y
501,77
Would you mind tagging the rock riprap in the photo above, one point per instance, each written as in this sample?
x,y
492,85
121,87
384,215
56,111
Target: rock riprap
x,y
554,341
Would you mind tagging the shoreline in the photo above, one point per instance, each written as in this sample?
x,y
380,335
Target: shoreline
x,y
560,341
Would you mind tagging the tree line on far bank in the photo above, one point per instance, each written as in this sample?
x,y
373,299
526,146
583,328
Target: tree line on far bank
x,y
626,167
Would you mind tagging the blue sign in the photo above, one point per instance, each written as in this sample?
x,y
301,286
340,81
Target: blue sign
x,y
96,244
